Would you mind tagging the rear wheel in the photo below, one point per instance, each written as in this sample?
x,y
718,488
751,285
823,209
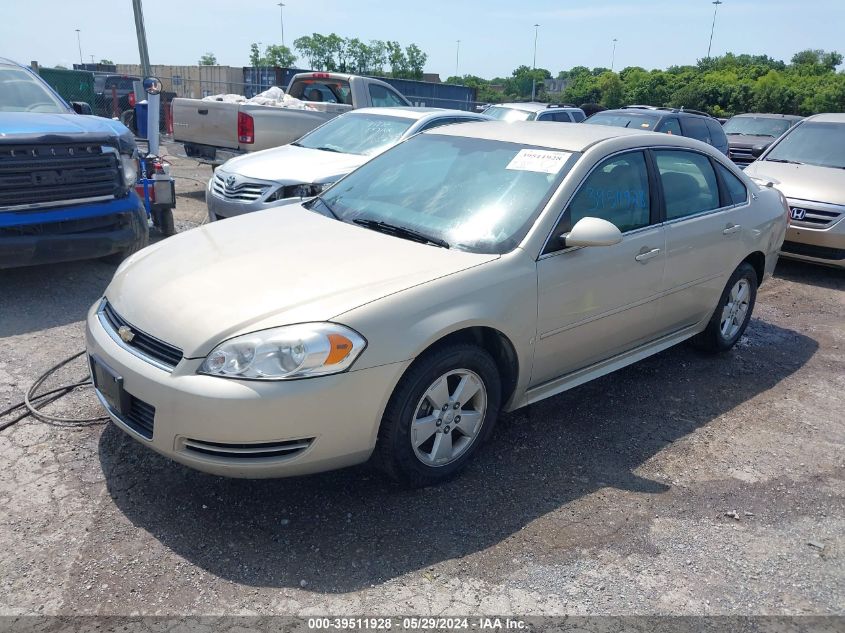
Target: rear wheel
x,y
733,312
163,221
440,413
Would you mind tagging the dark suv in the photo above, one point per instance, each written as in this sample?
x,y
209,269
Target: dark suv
x,y
114,94
690,123
747,130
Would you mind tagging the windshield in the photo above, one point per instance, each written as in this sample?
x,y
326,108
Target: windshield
x,y
474,194
624,119
21,92
756,126
820,144
503,113
365,134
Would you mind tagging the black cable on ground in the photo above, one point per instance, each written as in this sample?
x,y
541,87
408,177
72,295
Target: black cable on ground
x,y
32,402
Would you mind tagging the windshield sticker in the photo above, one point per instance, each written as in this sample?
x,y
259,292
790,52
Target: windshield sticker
x,y
542,161
644,125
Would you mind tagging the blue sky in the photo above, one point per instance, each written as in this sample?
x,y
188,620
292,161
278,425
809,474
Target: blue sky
x,y
496,35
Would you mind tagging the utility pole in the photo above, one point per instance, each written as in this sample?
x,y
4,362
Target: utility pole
x,y
142,38
282,18
713,27
457,58
613,55
79,44
534,64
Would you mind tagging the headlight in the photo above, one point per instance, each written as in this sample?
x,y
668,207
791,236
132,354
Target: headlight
x,y
298,191
129,166
285,353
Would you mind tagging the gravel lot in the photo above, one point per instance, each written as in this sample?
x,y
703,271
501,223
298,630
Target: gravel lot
x,y
685,484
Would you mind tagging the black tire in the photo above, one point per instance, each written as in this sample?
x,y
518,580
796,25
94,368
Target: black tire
x,y
163,221
394,452
142,238
712,339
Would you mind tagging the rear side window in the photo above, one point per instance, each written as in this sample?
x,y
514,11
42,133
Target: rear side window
x,y
578,116
737,193
689,183
616,191
695,127
560,117
670,126
384,98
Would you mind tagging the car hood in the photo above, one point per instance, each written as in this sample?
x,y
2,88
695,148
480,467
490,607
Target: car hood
x,y
292,165
746,141
280,266
42,127
803,182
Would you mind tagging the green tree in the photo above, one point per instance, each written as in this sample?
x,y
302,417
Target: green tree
x,y
278,55
107,62
396,59
612,90
416,61
208,59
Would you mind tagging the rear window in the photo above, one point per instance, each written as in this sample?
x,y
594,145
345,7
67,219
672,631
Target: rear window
x,y
633,121
503,113
321,90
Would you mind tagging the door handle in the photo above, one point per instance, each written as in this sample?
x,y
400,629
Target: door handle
x,y
203,111
731,228
644,257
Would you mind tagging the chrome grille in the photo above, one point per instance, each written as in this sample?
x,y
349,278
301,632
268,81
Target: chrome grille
x,y
47,174
741,156
814,217
238,190
145,345
243,452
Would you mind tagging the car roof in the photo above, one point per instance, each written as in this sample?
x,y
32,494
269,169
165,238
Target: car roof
x,y
828,117
649,111
415,113
571,138
769,115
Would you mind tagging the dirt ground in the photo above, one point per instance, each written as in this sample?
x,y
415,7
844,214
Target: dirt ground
x,y
685,484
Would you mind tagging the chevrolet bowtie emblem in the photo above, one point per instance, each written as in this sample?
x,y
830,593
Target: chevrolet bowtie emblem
x,y
125,333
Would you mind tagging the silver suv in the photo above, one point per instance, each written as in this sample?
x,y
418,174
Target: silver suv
x,y
535,111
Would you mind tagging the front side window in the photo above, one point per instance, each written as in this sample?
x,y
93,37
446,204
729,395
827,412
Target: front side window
x,y
616,191
689,183
353,133
384,98
21,92
812,143
476,194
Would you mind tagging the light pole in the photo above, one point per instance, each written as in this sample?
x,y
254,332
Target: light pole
x,y
79,44
282,19
534,64
713,27
613,54
457,58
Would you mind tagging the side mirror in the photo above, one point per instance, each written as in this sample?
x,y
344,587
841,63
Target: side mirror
x,y
758,150
592,232
80,107
152,86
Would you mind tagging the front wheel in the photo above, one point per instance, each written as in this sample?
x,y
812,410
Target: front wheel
x,y
440,413
733,312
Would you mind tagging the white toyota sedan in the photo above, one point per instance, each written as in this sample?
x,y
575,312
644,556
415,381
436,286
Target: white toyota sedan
x,y
472,269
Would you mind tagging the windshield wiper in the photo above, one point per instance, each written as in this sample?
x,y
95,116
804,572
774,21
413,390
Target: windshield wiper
x,y
326,148
784,160
317,199
401,231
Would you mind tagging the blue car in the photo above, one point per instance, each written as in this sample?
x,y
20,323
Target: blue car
x,y
66,179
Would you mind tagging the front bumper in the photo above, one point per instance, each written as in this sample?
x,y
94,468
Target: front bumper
x,y
824,245
61,234
251,429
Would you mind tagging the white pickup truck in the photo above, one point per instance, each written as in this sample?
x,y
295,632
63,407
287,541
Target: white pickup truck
x,y
215,131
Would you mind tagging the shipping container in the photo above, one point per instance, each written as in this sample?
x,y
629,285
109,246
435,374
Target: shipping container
x,y
72,85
